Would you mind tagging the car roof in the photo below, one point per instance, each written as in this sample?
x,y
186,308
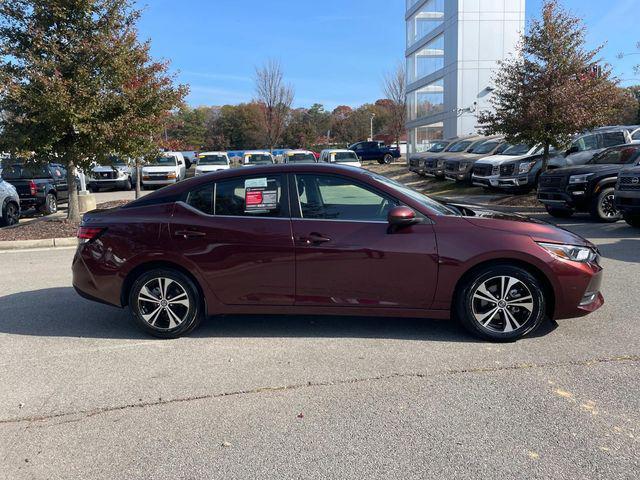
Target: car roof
x,y
252,152
212,153
337,150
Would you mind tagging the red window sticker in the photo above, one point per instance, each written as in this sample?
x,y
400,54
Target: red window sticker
x,y
253,197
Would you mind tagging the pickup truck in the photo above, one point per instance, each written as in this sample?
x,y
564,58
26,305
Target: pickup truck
x,y
41,187
375,151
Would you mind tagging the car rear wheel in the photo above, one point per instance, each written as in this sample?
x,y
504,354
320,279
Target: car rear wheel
x,y
633,220
165,303
10,215
604,208
387,159
50,205
559,212
501,303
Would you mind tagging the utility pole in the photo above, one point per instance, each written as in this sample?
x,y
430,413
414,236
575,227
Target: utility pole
x,y
373,115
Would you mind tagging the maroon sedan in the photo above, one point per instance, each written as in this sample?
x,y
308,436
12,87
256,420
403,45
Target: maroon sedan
x,y
326,239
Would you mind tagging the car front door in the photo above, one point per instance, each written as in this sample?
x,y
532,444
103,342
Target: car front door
x,y
345,255
237,232
59,176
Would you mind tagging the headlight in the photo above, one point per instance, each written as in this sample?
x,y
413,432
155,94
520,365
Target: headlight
x,y
526,167
171,175
573,179
570,252
121,174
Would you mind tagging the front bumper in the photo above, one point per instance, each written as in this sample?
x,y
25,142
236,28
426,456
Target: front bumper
x,y
513,182
628,202
159,182
490,181
458,176
574,197
111,183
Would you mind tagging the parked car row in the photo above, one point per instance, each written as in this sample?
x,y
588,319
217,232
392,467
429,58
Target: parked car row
x,y
491,162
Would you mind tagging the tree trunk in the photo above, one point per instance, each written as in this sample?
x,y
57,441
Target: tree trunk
x,y
138,178
545,158
73,211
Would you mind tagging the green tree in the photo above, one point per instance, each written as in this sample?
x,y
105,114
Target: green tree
x,y
77,85
553,88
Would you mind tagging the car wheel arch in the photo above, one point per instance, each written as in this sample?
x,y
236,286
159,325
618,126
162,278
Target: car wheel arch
x,y
549,290
143,267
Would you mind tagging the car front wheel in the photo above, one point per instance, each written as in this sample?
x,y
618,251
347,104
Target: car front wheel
x,y
165,303
604,208
501,304
10,215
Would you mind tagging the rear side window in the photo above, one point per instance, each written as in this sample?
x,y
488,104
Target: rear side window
x,y
611,139
251,197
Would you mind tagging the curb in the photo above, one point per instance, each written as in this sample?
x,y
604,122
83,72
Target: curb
x,y
44,243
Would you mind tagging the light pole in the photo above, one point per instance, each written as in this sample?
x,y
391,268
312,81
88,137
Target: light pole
x,y
372,117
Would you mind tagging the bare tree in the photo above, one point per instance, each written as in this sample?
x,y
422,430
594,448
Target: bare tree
x,y
275,99
395,89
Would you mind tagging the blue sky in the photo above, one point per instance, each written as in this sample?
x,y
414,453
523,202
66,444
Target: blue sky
x,y
334,52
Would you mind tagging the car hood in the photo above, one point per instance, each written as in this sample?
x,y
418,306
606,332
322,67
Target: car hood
x,y
109,168
211,168
158,169
584,169
538,230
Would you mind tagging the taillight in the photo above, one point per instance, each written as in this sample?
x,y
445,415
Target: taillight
x,y
33,189
86,234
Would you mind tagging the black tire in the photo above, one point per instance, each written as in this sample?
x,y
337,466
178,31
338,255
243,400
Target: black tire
x,y
10,214
603,207
129,185
469,308
559,212
632,220
388,159
160,325
50,205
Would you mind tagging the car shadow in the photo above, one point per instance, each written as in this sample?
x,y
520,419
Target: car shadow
x,y
60,312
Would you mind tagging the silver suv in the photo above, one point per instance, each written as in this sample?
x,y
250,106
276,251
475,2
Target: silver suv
x,y
10,204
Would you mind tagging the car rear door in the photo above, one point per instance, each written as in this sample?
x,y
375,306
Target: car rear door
x,y
237,232
345,255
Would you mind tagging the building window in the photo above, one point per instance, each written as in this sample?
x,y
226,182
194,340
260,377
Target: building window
x,y
426,101
423,137
429,17
426,61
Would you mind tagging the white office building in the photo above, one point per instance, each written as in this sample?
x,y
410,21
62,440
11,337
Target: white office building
x,y
453,47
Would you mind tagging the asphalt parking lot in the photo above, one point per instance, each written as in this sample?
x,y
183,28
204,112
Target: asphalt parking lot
x,y
83,394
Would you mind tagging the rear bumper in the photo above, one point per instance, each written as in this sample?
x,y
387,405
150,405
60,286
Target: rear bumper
x,y
84,279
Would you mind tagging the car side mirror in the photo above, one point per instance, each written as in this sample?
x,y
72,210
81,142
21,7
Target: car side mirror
x,y
571,150
401,217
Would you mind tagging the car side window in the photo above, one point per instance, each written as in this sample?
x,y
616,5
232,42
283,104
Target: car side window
x,y
328,197
611,139
260,196
202,198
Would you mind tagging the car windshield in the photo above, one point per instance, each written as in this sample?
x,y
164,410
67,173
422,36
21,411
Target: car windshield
x,y
438,147
518,149
459,146
434,205
301,158
164,162
345,157
258,158
16,172
486,147
212,160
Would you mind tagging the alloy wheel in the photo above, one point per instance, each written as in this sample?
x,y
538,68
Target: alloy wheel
x,y
608,206
52,204
12,215
163,303
502,304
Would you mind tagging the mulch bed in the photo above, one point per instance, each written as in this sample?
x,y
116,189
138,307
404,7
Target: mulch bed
x,y
45,228
529,201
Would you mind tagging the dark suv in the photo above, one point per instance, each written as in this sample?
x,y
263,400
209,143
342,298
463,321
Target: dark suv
x,y
587,188
627,195
416,160
460,167
375,151
41,187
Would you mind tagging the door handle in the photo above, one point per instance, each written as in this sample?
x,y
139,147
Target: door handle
x,y
314,239
189,234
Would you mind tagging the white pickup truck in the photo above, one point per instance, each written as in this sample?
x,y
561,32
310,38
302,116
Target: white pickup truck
x,y
166,169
